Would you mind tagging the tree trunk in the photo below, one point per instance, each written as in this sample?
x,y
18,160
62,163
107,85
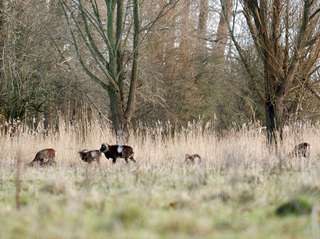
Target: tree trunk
x,y
222,31
2,38
119,122
270,120
119,52
134,70
274,109
185,31
202,28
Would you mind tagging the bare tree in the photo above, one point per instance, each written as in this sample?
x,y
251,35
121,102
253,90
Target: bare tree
x,y
104,29
106,37
286,37
31,76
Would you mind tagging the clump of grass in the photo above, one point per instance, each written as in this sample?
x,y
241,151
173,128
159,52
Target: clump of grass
x,y
54,188
185,225
246,196
296,207
222,196
128,216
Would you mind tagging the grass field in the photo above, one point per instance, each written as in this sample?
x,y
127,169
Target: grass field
x,y
233,193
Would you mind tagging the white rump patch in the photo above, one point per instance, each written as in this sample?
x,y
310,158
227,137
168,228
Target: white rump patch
x,y
94,154
120,149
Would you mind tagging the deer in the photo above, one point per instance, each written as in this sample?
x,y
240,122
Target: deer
x,y
301,150
118,151
44,157
90,156
192,158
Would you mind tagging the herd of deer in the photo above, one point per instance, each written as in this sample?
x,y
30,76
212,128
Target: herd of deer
x,y
46,157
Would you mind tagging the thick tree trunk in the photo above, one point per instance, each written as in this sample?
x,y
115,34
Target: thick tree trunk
x,y
222,31
274,121
274,109
270,120
119,122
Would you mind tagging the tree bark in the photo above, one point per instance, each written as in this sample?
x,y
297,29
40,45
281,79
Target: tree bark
x,y
2,38
134,71
202,27
222,31
185,33
117,116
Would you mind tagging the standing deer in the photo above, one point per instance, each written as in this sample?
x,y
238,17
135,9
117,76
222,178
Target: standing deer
x,y
192,158
301,150
117,151
90,155
45,157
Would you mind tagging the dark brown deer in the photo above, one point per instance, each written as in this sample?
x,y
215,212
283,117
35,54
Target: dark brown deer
x,y
45,157
117,151
301,150
90,156
192,158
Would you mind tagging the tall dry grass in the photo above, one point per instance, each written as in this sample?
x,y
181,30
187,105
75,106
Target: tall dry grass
x,y
244,148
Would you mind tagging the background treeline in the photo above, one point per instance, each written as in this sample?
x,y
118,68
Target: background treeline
x,y
135,62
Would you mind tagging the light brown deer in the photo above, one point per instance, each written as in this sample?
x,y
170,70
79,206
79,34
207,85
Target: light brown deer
x,y
45,157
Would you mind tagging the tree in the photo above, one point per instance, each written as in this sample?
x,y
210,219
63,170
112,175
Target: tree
x,y
286,37
104,28
32,84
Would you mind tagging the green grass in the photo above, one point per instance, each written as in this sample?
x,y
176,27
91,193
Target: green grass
x,y
172,201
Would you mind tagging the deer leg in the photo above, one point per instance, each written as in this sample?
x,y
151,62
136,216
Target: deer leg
x,y
41,162
114,160
126,159
132,159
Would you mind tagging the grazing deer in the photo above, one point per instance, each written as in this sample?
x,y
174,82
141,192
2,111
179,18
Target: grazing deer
x,y
89,156
191,158
301,150
45,157
117,151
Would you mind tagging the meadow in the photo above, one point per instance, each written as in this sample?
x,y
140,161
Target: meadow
x,y
233,193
